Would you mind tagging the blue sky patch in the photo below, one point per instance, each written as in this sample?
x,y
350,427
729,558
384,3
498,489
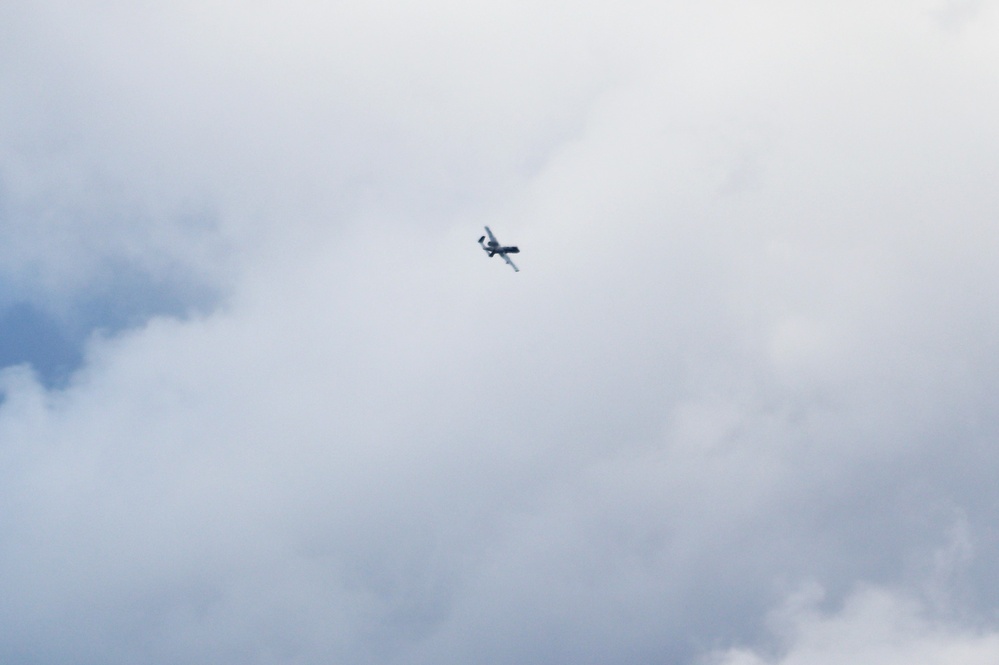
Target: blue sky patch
x,y
29,335
53,343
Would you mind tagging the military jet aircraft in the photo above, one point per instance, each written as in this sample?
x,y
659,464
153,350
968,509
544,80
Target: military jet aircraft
x,y
493,247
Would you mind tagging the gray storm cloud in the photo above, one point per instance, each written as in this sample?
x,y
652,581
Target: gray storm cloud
x,y
750,354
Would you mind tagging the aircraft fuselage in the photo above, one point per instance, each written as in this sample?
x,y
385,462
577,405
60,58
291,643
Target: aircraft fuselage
x,y
493,250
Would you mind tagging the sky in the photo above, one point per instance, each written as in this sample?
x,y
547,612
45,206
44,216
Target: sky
x,y
263,399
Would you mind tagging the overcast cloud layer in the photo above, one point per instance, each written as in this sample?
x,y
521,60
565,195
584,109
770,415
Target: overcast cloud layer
x,y
737,408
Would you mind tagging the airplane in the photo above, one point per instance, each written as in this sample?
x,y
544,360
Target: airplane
x,y
493,247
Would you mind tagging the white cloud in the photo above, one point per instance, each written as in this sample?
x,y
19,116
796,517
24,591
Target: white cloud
x,y
751,343
874,626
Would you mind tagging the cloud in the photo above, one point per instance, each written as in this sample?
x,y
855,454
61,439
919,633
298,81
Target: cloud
x,y
751,344
874,626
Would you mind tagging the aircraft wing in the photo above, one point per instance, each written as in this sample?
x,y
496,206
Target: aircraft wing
x,y
492,238
512,265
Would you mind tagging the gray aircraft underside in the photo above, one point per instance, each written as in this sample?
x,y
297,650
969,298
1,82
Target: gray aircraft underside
x,y
493,247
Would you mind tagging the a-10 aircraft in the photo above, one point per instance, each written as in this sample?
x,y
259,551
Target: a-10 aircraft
x,y
493,247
